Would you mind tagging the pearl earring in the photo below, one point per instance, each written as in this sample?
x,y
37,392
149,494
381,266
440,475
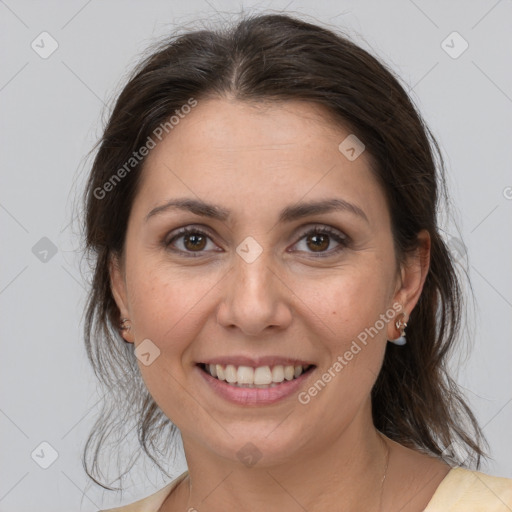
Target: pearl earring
x,y
400,324
125,324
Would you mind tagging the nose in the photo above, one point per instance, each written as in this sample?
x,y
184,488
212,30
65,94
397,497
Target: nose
x,y
256,300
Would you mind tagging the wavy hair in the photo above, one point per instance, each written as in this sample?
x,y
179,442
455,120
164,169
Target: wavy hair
x,y
267,58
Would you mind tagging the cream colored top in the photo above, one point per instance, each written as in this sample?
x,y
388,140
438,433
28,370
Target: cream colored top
x,y
461,490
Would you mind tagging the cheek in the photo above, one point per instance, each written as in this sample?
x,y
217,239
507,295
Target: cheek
x,y
346,303
167,304
345,317
169,308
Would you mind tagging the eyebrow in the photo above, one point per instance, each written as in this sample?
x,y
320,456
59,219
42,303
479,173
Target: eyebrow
x,y
288,214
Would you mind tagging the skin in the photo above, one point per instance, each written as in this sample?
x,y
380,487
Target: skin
x,y
255,160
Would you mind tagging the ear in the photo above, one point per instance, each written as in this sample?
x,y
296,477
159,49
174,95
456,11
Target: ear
x,y
118,287
413,273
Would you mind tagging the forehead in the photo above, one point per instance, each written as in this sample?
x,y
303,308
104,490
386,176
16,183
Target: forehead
x,y
225,126
264,153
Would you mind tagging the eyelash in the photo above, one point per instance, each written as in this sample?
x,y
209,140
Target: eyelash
x,y
342,240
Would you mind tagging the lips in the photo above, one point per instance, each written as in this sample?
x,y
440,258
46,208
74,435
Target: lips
x,y
250,377
255,394
254,362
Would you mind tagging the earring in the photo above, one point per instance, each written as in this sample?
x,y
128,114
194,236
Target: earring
x,y
124,326
400,324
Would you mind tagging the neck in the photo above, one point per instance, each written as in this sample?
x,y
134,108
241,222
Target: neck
x,y
345,473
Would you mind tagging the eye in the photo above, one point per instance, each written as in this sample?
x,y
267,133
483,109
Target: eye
x,y
191,240
320,240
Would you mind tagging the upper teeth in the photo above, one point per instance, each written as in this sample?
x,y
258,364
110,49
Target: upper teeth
x,y
262,375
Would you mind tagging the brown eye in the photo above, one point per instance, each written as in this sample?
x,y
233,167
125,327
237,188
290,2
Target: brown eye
x,y
322,241
194,242
317,242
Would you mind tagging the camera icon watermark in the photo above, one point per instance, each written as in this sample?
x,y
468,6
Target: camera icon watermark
x,y
249,250
44,250
146,352
454,456
44,455
351,147
457,248
44,45
249,454
454,45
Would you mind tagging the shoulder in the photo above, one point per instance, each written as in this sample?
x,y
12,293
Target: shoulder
x,y
463,490
151,503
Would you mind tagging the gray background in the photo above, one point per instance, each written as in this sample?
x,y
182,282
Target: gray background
x,y
51,116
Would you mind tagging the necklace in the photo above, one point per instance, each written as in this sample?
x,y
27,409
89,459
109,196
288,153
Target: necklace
x,y
381,482
385,472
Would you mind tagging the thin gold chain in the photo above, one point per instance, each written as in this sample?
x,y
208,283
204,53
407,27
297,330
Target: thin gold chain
x,y
385,471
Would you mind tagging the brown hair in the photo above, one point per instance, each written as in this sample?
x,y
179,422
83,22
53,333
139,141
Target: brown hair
x,y
278,58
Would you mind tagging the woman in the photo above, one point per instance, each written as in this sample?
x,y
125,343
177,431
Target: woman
x,y
262,213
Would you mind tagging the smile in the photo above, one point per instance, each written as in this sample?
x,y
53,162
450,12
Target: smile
x,y
261,377
260,385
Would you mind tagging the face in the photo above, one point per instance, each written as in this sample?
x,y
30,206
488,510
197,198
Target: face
x,y
228,261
